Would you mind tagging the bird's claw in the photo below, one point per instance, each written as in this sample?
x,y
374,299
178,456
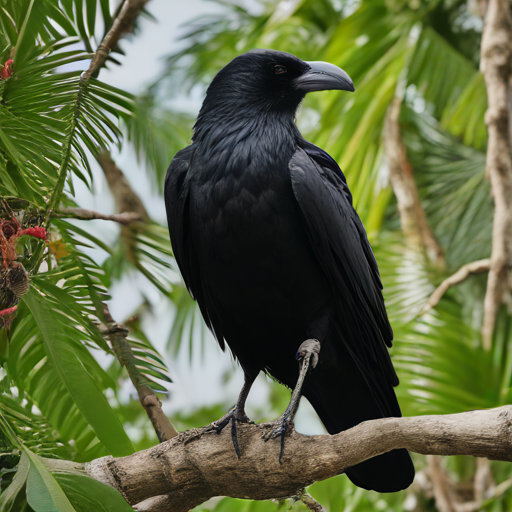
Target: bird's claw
x,y
309,350
280,428
235,417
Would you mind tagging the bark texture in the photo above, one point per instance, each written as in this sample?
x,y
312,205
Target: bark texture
x,y
496,65
124,218
117,335
198,464
412,216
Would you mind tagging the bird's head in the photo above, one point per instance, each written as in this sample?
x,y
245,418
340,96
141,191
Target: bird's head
x,y
270,81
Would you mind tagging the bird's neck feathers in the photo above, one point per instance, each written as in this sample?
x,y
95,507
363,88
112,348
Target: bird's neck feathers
x,y
245,129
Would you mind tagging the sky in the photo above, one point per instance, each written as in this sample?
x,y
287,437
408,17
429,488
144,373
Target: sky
x,y
200,380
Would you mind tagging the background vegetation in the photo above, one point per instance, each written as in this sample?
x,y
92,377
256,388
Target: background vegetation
x,y
59,402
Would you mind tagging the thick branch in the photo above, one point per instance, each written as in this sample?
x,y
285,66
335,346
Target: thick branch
x,y
124,218
412,216
475,267
496,64
124,196
199,464
122,24
117,334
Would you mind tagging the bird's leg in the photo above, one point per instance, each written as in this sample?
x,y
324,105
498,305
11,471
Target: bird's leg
x,y
236,414
308,358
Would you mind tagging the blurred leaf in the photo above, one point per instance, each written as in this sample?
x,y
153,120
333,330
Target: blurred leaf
x,y
12,493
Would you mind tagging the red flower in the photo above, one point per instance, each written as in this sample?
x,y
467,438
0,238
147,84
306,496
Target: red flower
x,y
8,311
6,70
37,232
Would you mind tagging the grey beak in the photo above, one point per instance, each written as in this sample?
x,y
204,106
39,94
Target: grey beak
x,y
323,76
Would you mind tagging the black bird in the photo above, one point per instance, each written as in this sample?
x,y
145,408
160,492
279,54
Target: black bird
x,y
268,243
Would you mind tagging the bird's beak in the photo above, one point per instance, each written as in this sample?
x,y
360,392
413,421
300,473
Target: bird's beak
x,y
323,76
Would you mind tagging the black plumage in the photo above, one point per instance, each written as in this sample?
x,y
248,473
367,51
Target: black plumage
x,y
268,242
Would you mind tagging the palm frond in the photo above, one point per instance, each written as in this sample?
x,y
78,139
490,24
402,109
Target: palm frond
x,y
157,135
454,191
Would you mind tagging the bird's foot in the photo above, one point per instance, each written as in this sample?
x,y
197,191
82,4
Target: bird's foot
x,y
280,428
307,355
235,416
308,352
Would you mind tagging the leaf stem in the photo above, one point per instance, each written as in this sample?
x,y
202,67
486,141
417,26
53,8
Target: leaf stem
x,y
66,156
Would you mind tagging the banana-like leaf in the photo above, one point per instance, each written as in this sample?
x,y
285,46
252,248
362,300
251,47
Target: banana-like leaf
x,y
87,494
43,492
469,123
80,384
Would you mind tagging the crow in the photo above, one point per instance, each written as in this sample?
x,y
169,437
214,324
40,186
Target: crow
x,y
270,246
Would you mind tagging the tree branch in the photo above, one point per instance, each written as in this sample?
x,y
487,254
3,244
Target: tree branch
x,y
117,334
475,267
124,218
412,216
122,24
496,65
124,196
126,200
440,485
199,464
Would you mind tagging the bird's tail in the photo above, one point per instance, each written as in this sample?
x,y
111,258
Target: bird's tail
x,y
343,397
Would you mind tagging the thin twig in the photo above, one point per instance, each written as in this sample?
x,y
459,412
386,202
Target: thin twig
x,y
310,502
122,24
123,21
496,65
117,334
124,218
475,267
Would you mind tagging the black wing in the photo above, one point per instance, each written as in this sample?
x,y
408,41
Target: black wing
x,y
176,194
341,246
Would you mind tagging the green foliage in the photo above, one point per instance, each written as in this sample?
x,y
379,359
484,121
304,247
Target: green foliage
x,y
57,401
87,494
61,345
54,392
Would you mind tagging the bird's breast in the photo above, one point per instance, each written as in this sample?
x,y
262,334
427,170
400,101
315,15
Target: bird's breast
x,y
253,251
238,214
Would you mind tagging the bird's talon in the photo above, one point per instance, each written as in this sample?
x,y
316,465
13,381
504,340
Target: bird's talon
x,y
219,425
281,427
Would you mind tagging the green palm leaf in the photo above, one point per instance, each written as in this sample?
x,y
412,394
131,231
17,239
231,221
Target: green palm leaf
x,y
59,340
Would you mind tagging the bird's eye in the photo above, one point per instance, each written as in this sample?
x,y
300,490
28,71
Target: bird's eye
x,y
279,70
